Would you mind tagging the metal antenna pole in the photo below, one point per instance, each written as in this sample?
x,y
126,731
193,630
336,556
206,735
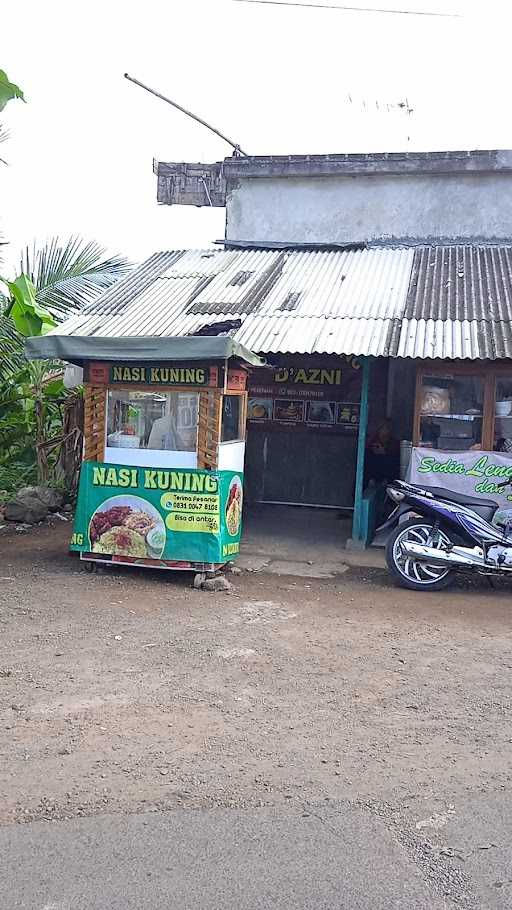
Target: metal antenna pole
x,y
234,145
353,9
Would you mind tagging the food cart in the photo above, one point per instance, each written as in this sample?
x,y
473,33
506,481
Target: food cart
x,y
161,483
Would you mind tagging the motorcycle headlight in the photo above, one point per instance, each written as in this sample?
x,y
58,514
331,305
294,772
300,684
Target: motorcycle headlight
x,y
395,495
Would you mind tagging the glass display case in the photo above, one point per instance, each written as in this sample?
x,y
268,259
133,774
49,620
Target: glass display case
x,y
464,406
152,420
451,412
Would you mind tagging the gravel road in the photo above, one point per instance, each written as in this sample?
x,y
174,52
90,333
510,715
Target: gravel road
x,y
131,692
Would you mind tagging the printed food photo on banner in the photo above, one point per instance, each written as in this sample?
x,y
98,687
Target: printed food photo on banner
x,y
320,412
127,526
348,414
260,409
291,411
234,506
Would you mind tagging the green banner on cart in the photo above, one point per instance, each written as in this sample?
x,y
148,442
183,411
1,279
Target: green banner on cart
x,y
158,513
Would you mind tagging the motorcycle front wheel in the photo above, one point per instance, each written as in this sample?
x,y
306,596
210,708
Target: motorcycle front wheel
x,y
408,572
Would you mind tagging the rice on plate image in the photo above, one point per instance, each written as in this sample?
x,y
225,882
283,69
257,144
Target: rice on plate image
x,y
127,526
234,506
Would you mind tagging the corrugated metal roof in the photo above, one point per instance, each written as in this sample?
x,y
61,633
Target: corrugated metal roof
x,y
119,295
452,339
459,303
461,283
370,282
441,302
285,300
129,287
315,334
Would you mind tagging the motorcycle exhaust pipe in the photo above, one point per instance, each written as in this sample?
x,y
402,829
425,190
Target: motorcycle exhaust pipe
x,y
458,557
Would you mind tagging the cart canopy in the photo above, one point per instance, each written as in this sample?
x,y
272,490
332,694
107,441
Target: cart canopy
x,y
77,349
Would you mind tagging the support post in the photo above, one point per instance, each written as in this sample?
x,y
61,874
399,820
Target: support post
x,y
358,541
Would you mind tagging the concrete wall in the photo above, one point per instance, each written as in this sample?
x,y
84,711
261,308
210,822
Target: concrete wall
x,y
381,208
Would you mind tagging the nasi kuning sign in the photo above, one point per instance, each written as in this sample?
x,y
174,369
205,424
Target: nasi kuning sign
x,y
154,374
197,375
153,514
474,473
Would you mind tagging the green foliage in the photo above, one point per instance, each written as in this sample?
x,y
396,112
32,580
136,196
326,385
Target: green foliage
x,y
55,281
15,476
12,357
63,277
67,276
8,90
16,424
31,417
28,316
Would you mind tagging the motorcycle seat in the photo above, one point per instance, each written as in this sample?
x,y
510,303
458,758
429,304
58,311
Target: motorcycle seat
x,y
483,507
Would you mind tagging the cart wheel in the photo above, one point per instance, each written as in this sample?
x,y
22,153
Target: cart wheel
x,y
90,566
199,577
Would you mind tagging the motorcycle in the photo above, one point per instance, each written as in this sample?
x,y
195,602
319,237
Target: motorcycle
x,y
446,533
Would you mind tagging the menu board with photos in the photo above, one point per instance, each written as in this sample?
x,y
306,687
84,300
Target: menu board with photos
x,y
306,394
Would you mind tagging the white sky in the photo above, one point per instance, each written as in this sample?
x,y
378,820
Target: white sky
x,y
280,81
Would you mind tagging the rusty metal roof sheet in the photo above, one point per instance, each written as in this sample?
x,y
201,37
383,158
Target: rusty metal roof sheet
x,y
459,303
461,283
454,339
436,301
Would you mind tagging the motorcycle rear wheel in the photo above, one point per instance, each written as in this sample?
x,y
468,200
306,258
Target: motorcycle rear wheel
x,y
410,573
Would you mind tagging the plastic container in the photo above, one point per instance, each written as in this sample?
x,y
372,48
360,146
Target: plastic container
x,y
503,408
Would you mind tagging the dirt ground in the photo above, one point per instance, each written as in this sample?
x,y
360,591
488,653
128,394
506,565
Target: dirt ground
x,y
128,691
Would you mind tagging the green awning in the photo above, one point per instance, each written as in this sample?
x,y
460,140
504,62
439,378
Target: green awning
x,y
77,349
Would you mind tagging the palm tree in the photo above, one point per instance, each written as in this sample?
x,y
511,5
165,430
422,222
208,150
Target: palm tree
x,y
58,279
66,276
4,135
